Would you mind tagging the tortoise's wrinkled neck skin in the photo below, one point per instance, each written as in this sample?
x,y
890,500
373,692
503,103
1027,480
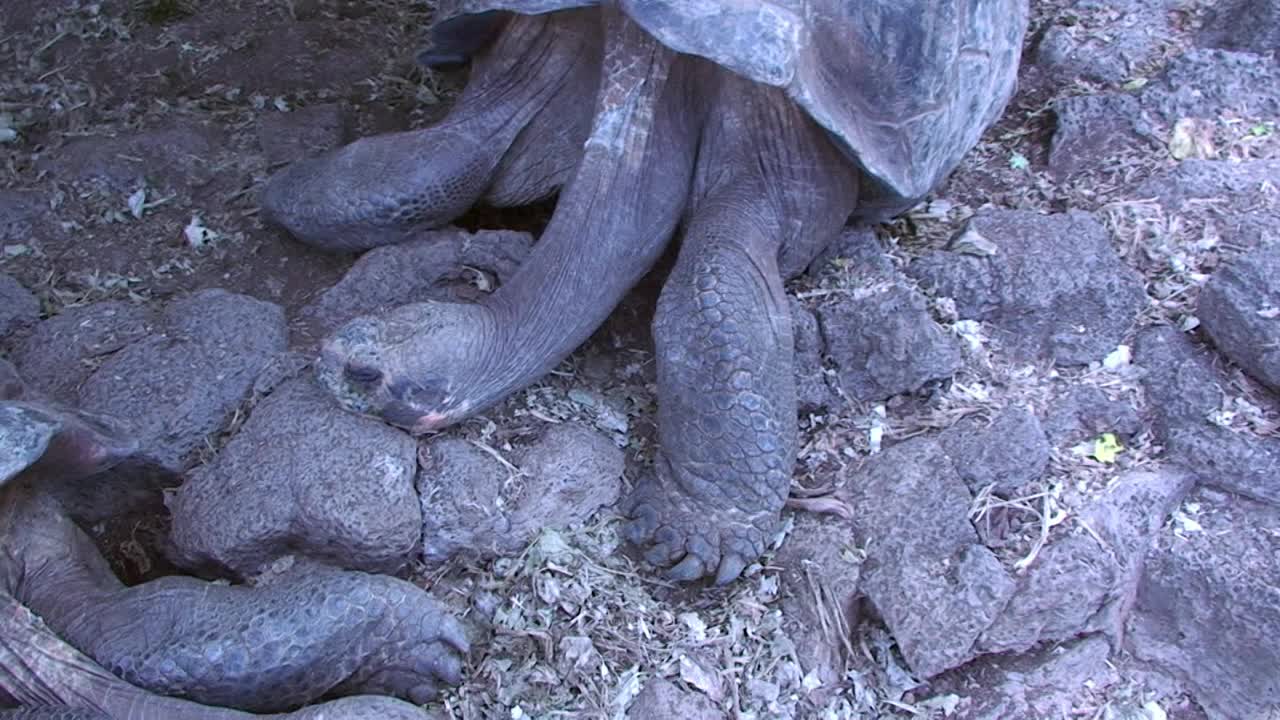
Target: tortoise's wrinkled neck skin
x,y
614,218
425,366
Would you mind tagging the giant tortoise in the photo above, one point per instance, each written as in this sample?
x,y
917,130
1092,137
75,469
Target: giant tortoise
x,y
76,642
752,129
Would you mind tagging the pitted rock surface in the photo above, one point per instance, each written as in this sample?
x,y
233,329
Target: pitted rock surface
x,y
1091,127
301,475
937,588
1008,452
1208,611
820,576
1240,310
60,353
812,391
662,699
1084,412
1246,25
18,307
474,504
179,154
1055,288
1182,393
1210,83
183,382
885,343
1109,42
437,265
1232,200
1085,581
1052,682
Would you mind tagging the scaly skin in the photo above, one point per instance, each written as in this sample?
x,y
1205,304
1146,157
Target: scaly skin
x,y
768,192
311,633
768,181
380,190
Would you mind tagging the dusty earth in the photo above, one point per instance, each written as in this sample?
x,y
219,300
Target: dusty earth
x,y
1040,474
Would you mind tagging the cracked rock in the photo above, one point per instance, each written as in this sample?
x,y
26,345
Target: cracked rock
x,y
884,342
1239,309
1207,610
1085,581
449,265
1008,453
1055,289
473,503
937,588
60,353
1182,392
302,475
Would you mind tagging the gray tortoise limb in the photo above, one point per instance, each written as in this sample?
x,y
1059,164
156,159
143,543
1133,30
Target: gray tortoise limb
x,y
50,678
821,108
769,185
379,190
266,648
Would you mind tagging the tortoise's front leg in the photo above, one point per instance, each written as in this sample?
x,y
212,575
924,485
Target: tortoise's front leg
x,y
769,185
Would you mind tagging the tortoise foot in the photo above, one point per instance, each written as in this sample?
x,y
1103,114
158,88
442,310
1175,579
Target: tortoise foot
x,y
694,537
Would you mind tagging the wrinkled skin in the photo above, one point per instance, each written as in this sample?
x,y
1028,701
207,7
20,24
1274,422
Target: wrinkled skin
x,y
755,185
670,141
312,633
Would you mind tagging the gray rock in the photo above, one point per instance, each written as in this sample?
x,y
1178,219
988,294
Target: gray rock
x,y
474,504
1204,83
885,343
1085,412
18,307
813,394
1008,453
303,476
1085,581
1055,288
1208,611
1113,40
180,153
936,587
662,700
60,353
820,575
1090,128
438,265
183,382
1248,25
1231,197
1051,683
302,132
857,252
1239,309
1182,391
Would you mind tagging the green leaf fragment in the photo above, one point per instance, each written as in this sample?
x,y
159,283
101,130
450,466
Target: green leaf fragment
x,y
1106,448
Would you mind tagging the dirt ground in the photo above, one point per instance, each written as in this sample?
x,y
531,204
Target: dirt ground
x,y
133,139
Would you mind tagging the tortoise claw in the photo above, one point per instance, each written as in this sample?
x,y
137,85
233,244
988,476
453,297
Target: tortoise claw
x,y
690,568
731,566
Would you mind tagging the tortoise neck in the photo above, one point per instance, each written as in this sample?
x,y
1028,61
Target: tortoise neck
x,y
52,566
616,215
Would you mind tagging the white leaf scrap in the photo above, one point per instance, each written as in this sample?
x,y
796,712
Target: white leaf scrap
x,y
138,202
197,234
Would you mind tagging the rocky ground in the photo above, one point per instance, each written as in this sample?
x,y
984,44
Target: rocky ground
x,y
1040,463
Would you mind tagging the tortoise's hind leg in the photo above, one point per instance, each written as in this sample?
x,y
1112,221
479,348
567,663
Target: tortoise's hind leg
x,y
768,184
379,190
